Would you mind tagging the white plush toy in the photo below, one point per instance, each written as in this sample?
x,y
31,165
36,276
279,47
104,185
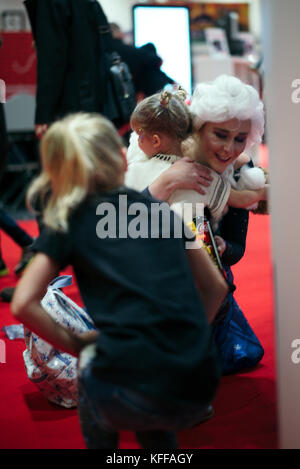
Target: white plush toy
x,y
250,178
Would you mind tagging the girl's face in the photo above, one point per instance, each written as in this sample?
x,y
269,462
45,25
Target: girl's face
x,y
146,142
222,142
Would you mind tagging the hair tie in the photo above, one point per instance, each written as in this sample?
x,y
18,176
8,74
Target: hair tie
x,y
165,99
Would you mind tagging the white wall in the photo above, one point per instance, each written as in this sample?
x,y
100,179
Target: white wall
x,y
119,11
13,5
281,39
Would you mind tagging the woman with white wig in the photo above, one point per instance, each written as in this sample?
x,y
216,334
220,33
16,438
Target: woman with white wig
x,y
228,120
228,98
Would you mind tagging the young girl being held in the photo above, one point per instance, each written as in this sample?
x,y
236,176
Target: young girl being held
x,y
160,124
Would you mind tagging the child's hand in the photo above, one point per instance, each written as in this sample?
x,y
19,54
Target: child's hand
x,y
85,339
221,245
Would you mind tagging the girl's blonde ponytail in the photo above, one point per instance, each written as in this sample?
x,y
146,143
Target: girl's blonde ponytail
x,y
80,155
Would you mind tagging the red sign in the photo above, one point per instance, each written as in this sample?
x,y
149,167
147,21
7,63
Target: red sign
x,y
18,63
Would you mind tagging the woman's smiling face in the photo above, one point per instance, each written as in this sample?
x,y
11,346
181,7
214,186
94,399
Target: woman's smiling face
x,y
222,142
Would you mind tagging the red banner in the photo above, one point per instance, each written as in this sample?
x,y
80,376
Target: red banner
x,y
18,63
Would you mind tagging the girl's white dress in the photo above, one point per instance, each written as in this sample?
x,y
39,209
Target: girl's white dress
x,y
143,171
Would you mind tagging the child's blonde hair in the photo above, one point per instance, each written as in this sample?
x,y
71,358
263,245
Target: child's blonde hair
x,y
164,112
80,154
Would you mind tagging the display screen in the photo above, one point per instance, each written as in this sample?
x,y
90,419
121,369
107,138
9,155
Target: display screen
x,y
168,29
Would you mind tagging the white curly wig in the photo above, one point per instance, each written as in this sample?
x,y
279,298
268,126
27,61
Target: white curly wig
x,y
227,98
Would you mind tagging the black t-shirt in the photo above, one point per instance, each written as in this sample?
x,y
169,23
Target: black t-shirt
x,y
154,337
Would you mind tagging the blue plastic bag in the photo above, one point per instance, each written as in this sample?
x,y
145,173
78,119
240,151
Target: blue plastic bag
x,y
237,345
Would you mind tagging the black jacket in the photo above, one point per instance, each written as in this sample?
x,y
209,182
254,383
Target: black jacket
x,y
68,51
144,65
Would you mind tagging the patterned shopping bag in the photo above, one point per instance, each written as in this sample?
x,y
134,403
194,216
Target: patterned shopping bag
x,y
55,372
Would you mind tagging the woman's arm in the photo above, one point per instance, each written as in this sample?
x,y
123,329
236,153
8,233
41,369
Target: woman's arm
x,y
210,282
246,198
184,174
26,307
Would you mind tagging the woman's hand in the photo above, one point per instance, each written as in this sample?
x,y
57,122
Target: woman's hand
x,y
241,160
184,174
221,245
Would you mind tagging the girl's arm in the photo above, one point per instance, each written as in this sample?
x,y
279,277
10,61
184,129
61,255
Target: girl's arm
x,y
246,198
209,281
27,309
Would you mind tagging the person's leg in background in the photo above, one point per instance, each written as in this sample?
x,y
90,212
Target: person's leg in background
x,y
3,153
20,237
6,294
3,268
7,224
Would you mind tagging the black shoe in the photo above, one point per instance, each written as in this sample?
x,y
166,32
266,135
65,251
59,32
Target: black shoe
x,y
7,294
207,416
26,258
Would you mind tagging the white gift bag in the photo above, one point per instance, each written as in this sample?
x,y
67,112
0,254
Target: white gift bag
x,y
55,372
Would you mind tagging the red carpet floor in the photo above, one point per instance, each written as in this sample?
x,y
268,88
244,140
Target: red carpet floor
x,y
245,407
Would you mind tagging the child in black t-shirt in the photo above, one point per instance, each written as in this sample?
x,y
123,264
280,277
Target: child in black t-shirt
x,y
152,367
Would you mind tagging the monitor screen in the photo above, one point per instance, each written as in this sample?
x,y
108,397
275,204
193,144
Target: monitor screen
x,y
168,29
